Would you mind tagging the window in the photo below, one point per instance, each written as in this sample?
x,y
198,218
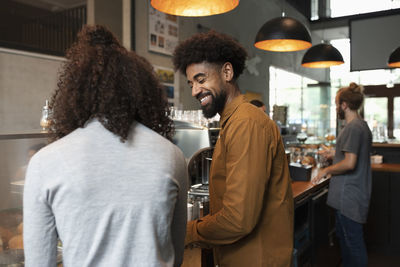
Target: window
x,y
396,117
38,26
340,8
306,99
375,114
341,76
345,8
380,85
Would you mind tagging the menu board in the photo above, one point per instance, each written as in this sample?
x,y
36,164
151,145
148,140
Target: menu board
x,y
163,32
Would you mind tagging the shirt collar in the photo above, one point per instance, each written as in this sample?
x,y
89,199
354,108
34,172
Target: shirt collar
x,y
230,108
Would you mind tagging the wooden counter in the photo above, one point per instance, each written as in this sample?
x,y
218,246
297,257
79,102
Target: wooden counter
x,y
391,145
386,167
382,230
302,189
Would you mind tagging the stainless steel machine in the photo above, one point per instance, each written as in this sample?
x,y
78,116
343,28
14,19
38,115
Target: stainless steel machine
x,y
197,143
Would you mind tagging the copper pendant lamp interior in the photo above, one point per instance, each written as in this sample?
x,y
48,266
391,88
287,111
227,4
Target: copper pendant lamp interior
x,y
194,8
394,58
322,56
283,34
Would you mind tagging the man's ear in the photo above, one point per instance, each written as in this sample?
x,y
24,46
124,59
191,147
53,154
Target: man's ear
x,y
344,105
227,71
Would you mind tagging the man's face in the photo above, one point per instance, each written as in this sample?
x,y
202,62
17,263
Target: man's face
x,y
208,87
339,110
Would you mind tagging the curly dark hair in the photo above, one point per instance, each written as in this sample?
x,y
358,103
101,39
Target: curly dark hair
x,y
102,80
212,47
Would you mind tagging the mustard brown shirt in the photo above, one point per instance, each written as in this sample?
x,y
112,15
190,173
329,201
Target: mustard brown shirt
x,y
251,202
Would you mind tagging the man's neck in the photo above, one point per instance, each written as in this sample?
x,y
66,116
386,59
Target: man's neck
x,y
351,115
231,93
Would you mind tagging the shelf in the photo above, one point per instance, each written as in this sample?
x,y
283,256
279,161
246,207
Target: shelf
x,y
24,135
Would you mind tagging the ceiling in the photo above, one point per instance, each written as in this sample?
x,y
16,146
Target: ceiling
x,y
332,33
53,5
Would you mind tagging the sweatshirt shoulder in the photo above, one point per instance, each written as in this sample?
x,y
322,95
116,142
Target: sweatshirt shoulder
x,y
159,141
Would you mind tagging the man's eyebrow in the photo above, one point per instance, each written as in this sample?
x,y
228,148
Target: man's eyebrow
x,y
197,76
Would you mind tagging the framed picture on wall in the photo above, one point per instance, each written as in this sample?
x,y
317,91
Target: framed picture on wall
x,y
163,32
169,81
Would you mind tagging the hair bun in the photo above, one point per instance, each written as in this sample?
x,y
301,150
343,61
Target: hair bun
x,y
356,88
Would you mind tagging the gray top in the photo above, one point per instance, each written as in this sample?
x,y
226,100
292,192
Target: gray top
x,y
350,192
110,203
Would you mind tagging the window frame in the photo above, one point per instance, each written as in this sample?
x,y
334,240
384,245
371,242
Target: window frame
x,y
390,94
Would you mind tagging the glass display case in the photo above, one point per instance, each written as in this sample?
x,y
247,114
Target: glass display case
x,y
15,153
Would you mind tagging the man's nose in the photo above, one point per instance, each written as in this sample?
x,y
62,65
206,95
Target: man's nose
x,y
195,90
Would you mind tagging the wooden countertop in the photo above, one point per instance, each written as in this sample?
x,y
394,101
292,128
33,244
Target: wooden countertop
x,y
303,188
397,145
386,167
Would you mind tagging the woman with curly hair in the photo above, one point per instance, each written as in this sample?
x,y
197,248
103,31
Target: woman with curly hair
x,y
111,187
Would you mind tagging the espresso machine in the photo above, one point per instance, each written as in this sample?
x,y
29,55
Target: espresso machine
x,y
197,143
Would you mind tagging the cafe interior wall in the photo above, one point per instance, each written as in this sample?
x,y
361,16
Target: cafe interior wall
x,y
242,23
26,80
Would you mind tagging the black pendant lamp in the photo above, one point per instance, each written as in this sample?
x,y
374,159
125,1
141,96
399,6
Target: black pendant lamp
x,y
194,8
283,34
394,58
322,56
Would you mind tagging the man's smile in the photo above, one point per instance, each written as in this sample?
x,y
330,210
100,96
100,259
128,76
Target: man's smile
x,y
205,98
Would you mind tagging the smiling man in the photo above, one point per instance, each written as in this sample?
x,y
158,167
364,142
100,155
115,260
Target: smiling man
x,y
251,202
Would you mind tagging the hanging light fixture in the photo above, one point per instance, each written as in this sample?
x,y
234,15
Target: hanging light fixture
x,y
194,8
394,58
322,56
283,34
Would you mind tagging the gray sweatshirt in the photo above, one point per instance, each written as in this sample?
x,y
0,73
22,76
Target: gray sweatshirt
x,y
110,203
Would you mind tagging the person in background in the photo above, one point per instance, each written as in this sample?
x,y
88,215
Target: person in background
x,y
251,202
20,175
111,187
259,104
350,186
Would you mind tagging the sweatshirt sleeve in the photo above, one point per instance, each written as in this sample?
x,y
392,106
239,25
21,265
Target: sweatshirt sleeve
x,y
40,235
180,214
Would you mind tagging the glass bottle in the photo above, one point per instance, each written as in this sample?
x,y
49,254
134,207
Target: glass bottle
x,y
46,114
